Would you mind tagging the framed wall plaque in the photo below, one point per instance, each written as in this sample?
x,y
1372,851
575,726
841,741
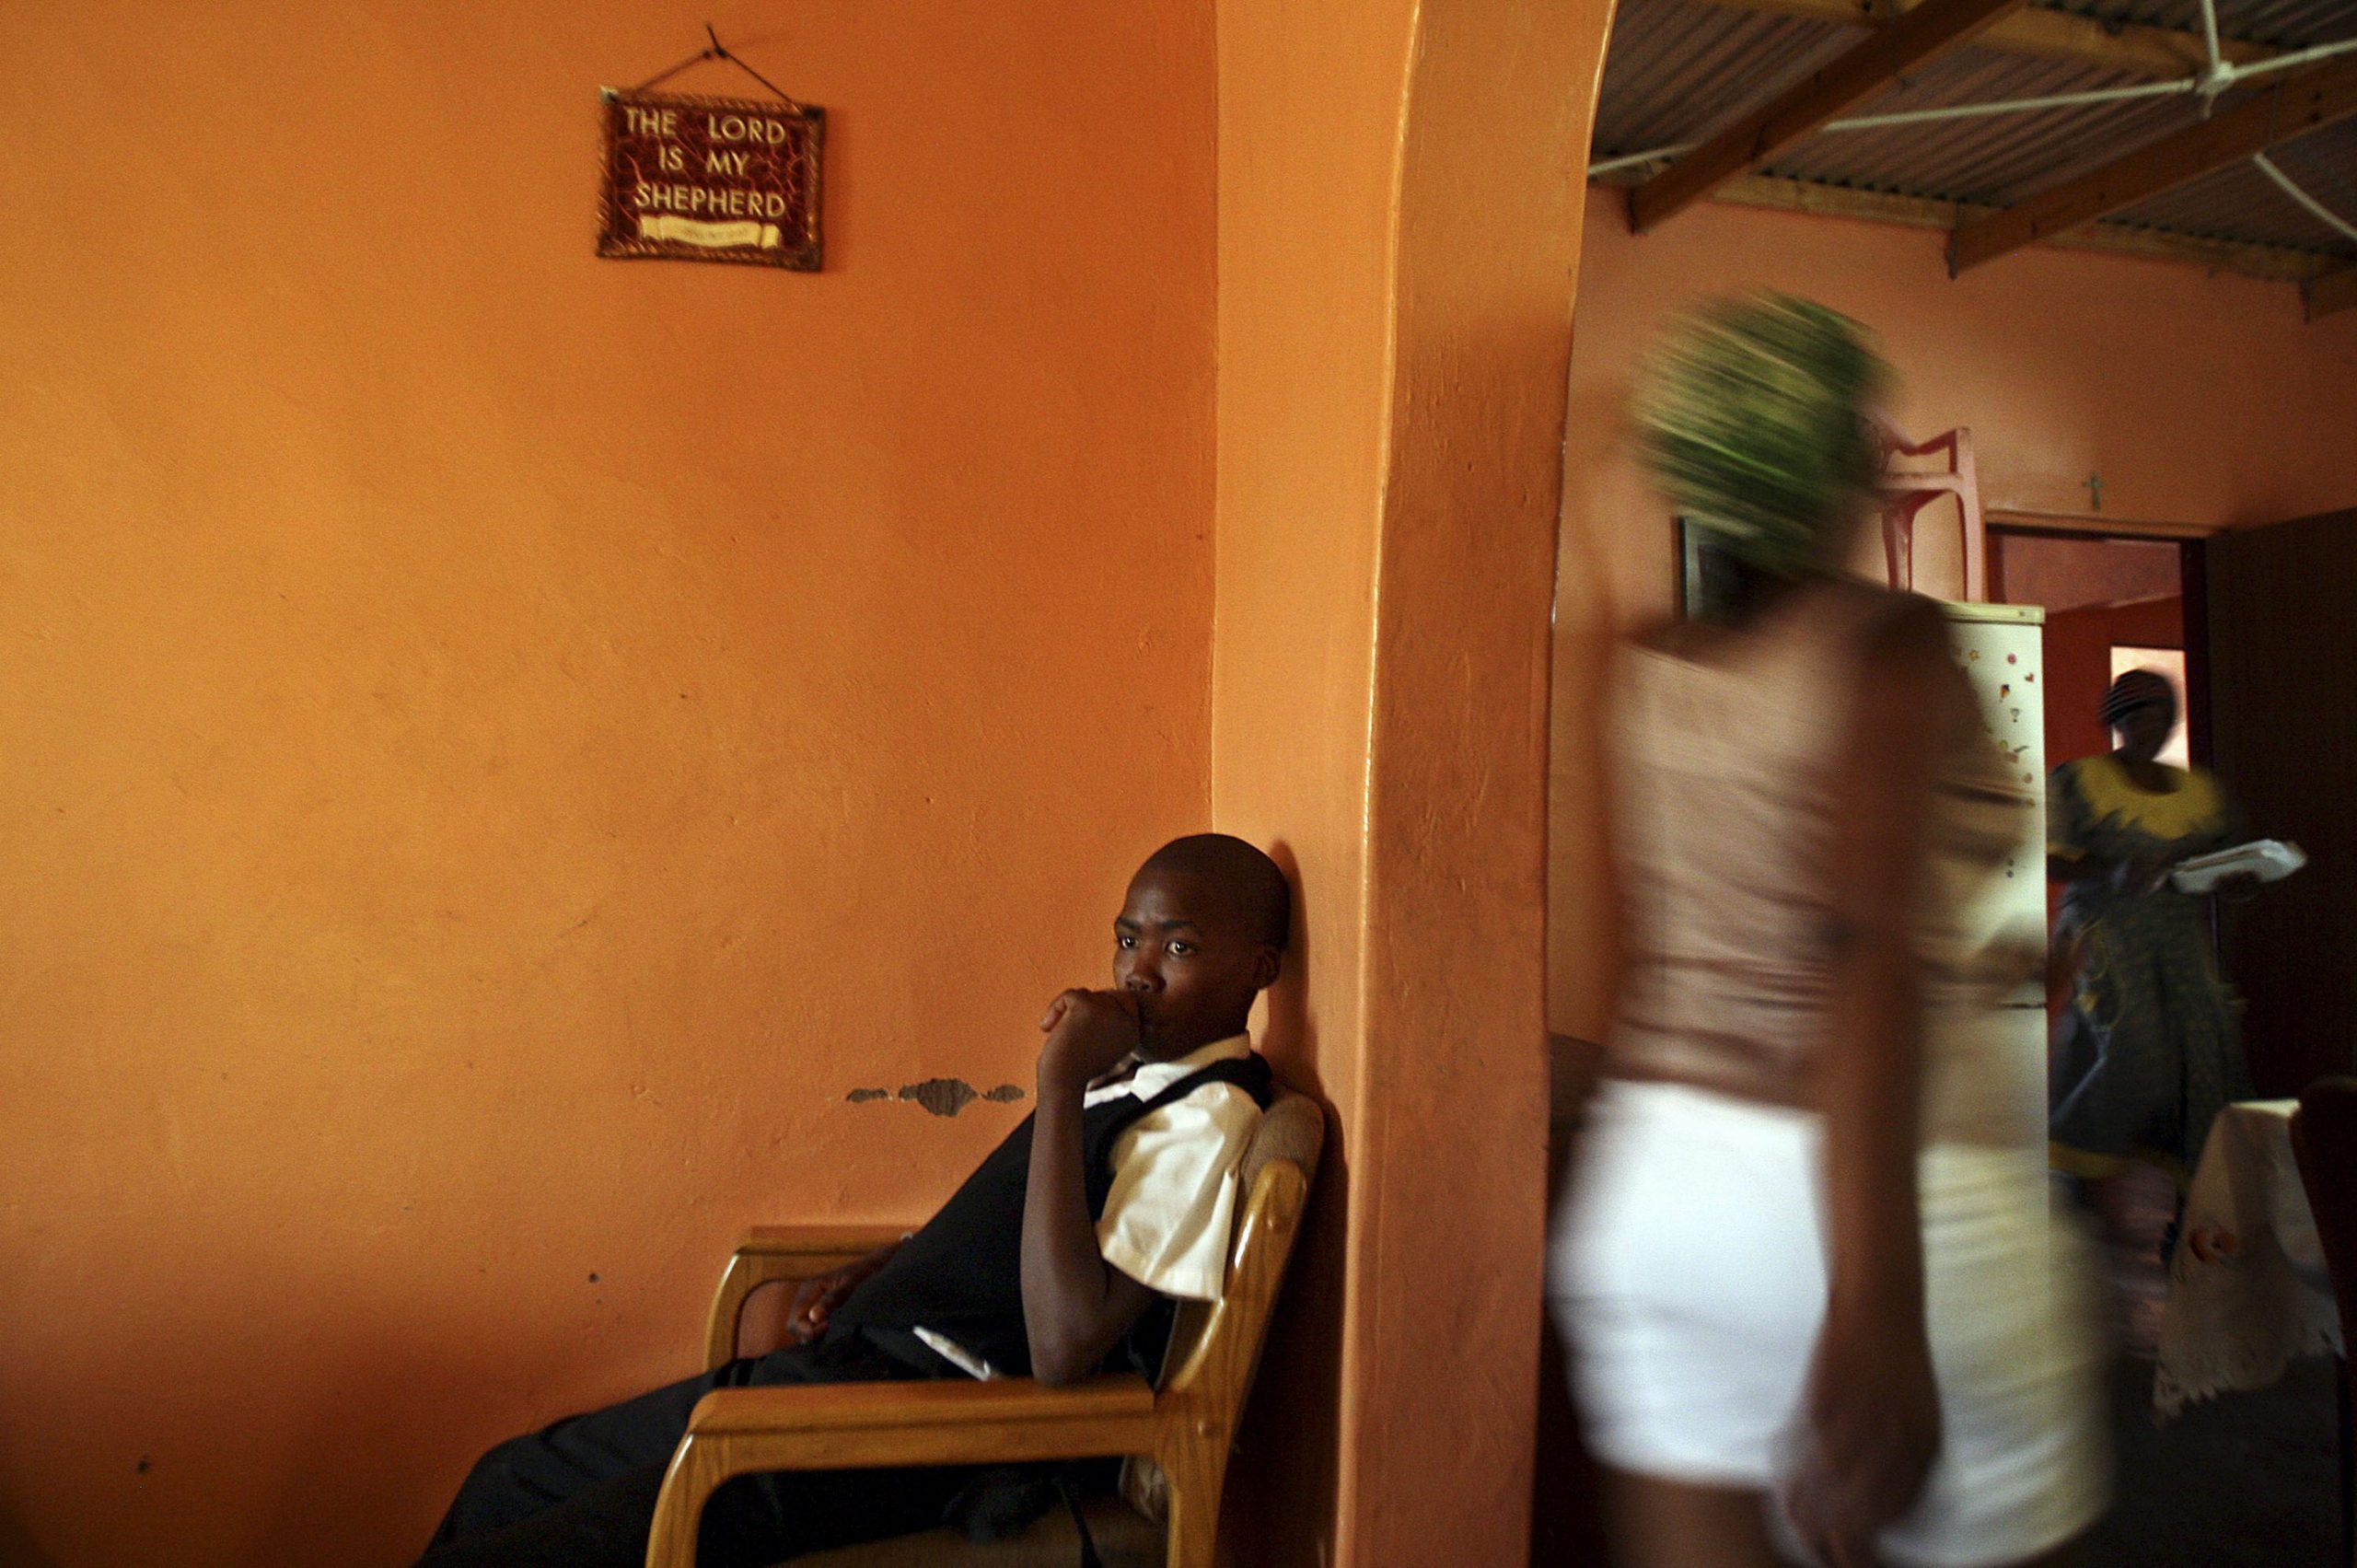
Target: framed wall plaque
x,y
711,180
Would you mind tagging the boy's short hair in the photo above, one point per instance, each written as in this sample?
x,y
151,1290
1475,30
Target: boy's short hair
x,y
1264,896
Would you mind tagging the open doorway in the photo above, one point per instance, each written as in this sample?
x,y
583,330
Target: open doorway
x,y
2113,602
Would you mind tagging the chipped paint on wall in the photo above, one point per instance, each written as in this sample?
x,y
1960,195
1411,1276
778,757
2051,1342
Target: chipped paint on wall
x,y
948,1097
942,1096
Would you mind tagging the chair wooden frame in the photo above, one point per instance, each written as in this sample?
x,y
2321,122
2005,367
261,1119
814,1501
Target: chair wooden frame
x,y
1186,1429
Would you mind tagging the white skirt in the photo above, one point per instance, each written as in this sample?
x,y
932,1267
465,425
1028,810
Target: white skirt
x,y
1687,1274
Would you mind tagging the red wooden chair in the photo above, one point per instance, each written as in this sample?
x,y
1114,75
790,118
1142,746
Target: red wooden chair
x,y
1904,493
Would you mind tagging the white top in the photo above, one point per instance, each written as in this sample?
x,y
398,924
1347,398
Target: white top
x,y
1169,1216
1730,756
1168,1220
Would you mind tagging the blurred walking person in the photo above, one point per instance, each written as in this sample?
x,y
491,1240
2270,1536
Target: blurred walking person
x,y
1812,1303
2146,1053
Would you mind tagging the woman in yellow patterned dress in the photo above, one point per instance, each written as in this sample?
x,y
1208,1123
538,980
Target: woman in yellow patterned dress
x,y
2147,1052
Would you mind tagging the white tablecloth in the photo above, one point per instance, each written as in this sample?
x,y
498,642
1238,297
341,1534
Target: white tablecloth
x,y
2247,1287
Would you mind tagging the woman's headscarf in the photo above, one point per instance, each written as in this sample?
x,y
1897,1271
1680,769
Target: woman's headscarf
x,y
2137,688
1754,419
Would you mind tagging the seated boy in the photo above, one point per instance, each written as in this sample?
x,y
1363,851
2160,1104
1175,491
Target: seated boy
x,y
1115,1195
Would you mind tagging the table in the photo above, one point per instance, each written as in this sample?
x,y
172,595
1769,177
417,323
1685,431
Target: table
x,y
2248,1288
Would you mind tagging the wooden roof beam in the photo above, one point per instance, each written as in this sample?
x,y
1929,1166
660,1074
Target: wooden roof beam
x,y
2331,293
2167,54
1923,34
2277,264
2281,113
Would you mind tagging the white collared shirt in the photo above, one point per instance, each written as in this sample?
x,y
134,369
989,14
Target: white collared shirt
x,y
1169,1216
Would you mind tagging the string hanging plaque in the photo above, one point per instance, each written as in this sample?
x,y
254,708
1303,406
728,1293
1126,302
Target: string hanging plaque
x,y
697,178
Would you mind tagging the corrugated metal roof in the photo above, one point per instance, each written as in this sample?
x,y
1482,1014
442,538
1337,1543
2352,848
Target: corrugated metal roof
x,y
1997,158
2286,24
2241,203
1678,70
2325,166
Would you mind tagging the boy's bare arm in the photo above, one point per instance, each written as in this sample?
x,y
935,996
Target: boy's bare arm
x,y
1076,1306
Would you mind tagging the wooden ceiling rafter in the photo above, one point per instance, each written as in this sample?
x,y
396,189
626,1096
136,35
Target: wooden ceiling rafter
x,y
2038,33
1922,34
2276,264
2281,113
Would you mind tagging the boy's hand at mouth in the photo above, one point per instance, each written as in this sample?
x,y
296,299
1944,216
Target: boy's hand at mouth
x,y
1089,1034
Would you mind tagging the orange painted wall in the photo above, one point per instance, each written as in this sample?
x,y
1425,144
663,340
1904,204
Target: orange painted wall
x,y
2199,400
500,743
1304,196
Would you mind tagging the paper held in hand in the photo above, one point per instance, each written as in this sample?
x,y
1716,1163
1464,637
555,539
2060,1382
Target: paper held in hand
x,y
2269,860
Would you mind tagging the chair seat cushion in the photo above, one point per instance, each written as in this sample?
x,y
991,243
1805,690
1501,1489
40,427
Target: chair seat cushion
x,y
1124,1539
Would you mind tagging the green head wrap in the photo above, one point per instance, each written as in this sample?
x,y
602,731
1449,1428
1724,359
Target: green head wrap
x,y
1754,419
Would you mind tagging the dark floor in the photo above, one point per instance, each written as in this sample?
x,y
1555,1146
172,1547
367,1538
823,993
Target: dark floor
x,y
2244,1480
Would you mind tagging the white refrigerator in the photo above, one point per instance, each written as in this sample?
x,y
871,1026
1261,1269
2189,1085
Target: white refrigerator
x,y
1999,648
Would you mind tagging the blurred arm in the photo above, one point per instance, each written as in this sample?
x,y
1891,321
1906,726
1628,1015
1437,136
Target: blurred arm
x,y
1909,704
1872,1407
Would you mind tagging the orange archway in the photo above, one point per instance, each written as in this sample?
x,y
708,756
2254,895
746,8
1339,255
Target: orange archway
x,y
1399,212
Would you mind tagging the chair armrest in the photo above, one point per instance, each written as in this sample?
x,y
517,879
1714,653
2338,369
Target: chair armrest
x,y
957,1406
772,1252
818,1240
735,1432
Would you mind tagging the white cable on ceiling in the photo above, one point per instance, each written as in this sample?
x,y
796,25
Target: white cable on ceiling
x,y
1925,116
2210,35
2009,106
2322,213
2221,75
2235,74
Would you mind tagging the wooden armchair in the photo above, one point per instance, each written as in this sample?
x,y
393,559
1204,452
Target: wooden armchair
x,y
1177,1439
